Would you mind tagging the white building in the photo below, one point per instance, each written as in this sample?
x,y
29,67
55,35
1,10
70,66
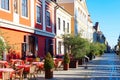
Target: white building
x,y
90,29
63,26
80,17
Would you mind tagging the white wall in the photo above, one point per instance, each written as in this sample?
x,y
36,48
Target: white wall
x,y
63,15
81,19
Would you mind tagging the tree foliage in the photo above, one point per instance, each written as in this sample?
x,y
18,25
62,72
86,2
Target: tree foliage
x,y
78,46
97,48
66,58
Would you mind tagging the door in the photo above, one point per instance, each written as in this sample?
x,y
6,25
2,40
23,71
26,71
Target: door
x,y
49,46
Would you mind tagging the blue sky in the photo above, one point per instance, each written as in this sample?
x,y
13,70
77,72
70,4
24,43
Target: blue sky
x,y
107,13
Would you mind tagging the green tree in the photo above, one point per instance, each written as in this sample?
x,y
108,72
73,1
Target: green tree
x,y
78,46
97,49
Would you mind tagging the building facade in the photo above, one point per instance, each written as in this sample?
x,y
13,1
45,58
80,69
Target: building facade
x,y
29,26
90,30
63,26
80,16
98,36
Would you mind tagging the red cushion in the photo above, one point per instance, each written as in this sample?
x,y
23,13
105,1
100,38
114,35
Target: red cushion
x,y
0,75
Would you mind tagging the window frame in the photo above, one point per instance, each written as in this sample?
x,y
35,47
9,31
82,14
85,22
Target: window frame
x,y
68,26
59,47
3,9
48,24
63,25
27,8
59,23
39,15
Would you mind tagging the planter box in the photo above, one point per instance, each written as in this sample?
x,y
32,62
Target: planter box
x,y
49,74
80,61
73,64
66,66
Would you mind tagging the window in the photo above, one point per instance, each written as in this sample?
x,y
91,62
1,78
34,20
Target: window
x,y
47,18
59,47
24,8
63,25
68,27
5,4
59,23
38,14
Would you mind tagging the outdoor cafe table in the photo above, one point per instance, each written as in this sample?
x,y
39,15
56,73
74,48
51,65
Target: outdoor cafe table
x,y
39,64
14,61
5,63
10,70
25,66
26,69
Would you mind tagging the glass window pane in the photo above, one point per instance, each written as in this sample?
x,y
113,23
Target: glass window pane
x,y
2,4
48,18
24,8
5,4
63,25
68,27
38,14
59,23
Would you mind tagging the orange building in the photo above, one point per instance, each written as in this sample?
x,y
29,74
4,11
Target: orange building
x,y
28,26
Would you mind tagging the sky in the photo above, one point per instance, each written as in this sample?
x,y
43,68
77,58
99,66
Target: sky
x,y
107,13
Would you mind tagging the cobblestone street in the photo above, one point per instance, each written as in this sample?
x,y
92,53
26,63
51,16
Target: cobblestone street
x,y
105,67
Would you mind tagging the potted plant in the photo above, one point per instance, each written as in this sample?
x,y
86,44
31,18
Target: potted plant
x,y
66,61
48,66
